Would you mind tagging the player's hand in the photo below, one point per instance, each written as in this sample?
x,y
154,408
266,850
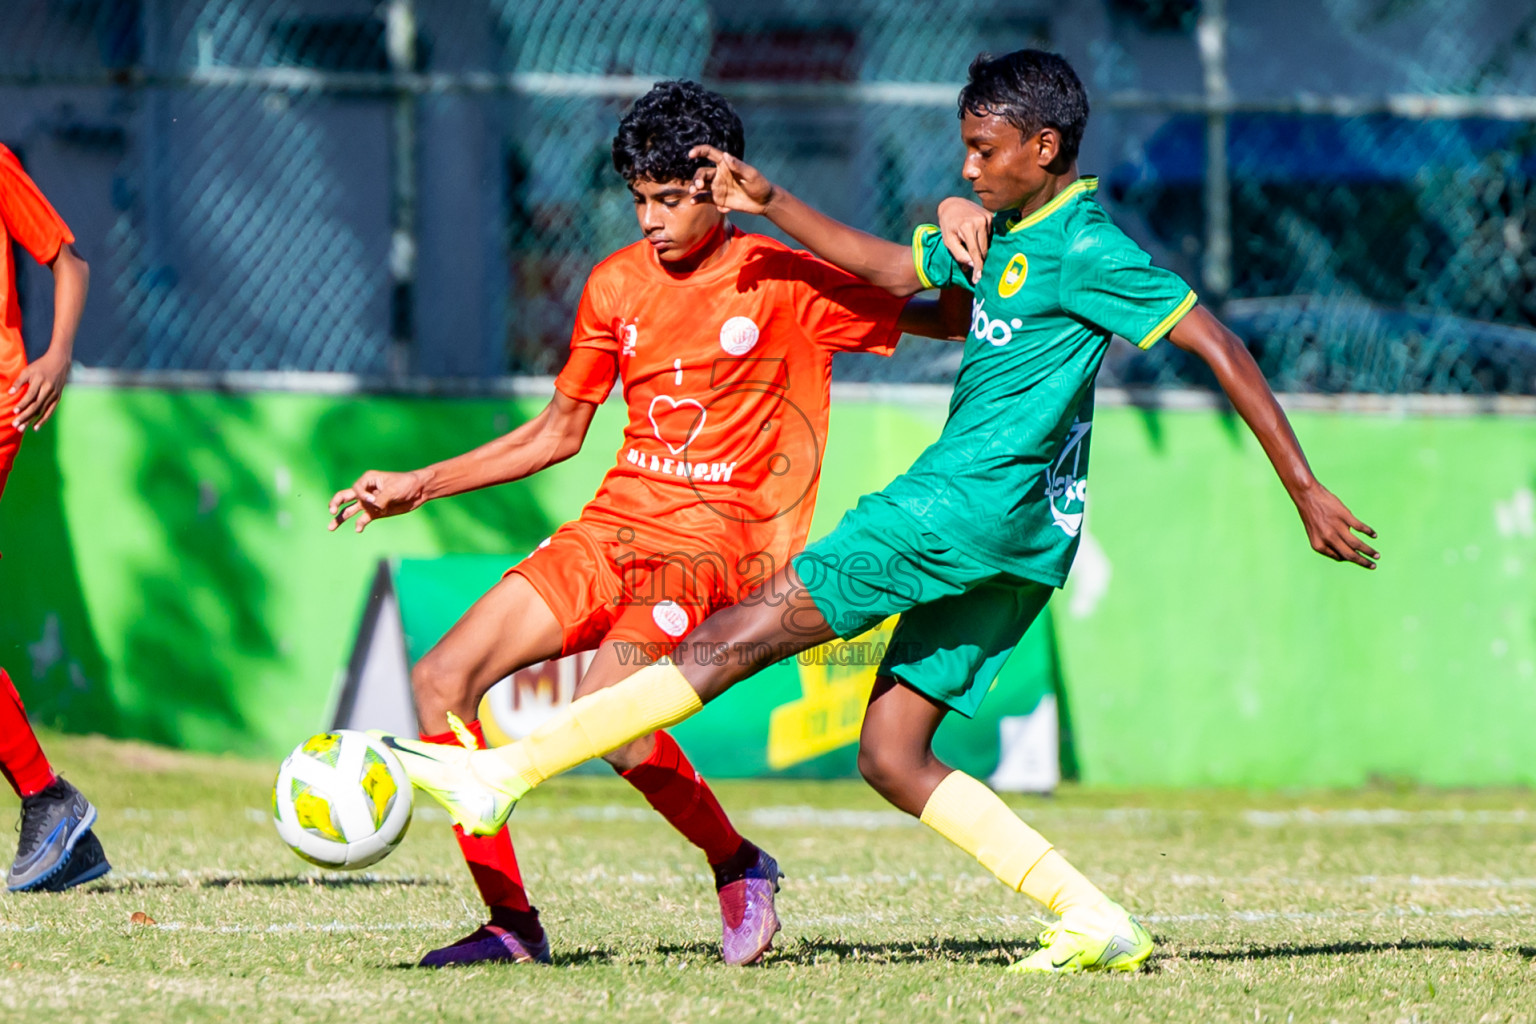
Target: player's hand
x,y
967,231
43,382
377,495
1332,528
730,184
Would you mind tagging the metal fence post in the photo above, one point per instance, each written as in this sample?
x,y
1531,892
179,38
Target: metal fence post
x,y
400,43
1216,268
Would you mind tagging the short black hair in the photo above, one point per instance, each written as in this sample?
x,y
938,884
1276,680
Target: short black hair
x,y
1031,90
658,131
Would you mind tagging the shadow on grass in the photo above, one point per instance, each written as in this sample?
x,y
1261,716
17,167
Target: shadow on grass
x,y
572,958
810,951
1355,949
112,885
802,952
1002,952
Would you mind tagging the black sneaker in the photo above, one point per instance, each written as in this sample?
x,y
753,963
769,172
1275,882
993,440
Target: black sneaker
x,y
87,862
52,823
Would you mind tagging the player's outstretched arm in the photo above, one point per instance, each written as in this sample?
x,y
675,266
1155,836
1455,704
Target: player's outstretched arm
x,y
734,185
966,229
43,380
946,318
1331,527
552,436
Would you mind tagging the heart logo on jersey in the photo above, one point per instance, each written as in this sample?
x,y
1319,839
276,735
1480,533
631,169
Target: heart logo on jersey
x,y
683,416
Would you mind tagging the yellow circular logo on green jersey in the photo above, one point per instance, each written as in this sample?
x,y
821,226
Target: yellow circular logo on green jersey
x,y
1013,276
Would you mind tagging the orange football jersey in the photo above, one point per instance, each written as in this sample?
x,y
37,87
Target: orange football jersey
x,y
726,373
26,217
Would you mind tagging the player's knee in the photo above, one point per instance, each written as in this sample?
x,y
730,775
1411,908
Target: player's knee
x,y
881,767
631,755
626,757
436,685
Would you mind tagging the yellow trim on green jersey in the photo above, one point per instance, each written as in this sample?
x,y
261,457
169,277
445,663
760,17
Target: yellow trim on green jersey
x,y
1081,185
1166,324
918,237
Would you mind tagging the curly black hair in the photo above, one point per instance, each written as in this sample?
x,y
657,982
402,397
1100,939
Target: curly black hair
x,y
1030,89
658,131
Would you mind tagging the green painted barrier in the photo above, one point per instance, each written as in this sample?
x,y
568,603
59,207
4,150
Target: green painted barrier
x,y
167,575
1221,650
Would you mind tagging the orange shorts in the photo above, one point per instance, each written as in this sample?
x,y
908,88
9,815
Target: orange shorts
x,y
10,444
10,438
601,587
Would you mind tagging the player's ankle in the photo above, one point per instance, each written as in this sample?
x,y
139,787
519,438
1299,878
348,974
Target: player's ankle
x,y
522,923
1100,907
57,789
735,867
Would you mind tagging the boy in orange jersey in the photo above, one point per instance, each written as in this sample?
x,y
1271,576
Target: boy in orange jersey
x,y
57,848
723,343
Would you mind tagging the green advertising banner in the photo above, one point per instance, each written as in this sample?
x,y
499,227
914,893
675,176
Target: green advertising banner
x,y
167,575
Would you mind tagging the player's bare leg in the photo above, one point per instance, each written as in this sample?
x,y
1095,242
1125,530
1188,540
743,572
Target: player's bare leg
x,y
896,757
771,623
896,745
746,877
775,621
509,628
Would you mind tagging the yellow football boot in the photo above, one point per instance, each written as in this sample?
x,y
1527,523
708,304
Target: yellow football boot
x,y
1103,938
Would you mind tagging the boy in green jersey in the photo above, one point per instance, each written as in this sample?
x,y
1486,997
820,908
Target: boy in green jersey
x,y
968,545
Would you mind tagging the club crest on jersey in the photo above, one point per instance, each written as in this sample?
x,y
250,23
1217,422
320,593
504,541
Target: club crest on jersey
x,y
670,617
629,334
1013,276
738,336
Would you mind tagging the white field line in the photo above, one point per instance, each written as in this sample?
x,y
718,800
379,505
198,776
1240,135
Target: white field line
x,y
302,927
1030,922
1377,881
1182,881
436,815
799,816
813,817
1404,913
604,874
1386,816
194,877
763,817
805,816
873,820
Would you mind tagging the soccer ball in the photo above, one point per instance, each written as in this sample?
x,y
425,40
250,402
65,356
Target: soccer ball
x,y
342,800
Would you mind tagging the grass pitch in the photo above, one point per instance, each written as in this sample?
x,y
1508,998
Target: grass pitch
x,y
1373,906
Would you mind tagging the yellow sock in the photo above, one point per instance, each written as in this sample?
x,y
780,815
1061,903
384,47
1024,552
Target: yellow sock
x,y
652,699
972,817
1060,886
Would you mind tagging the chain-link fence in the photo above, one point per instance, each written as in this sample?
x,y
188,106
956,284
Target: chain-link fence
x,y
417,188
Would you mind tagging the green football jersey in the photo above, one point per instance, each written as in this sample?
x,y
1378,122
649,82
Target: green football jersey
x,y
1006,481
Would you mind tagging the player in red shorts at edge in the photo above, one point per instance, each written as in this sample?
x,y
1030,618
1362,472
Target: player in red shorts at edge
x,y
57,848
723,342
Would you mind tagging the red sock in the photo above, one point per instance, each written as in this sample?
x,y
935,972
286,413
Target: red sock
x,y
670,785
21,757
491,860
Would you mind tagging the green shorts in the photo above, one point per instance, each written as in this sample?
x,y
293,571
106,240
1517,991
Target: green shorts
x,y
960,618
